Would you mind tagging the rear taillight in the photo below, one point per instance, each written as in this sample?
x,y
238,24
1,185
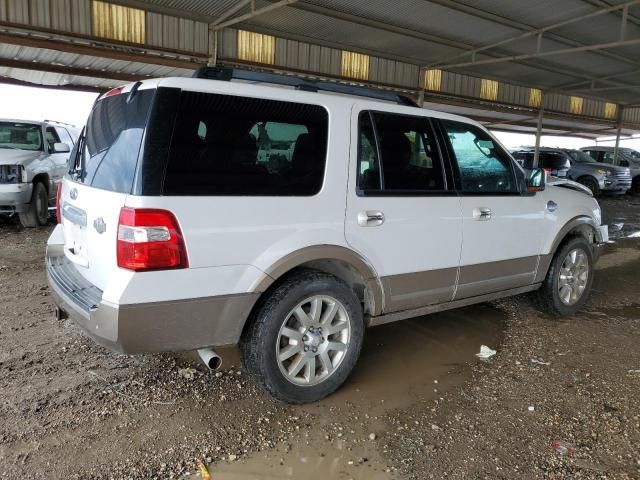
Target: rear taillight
x,y
58,208
548,170
150,239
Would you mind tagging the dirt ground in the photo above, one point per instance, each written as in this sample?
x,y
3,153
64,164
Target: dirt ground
x,y
560,399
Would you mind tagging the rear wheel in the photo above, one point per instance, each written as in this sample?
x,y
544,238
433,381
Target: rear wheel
x,y
568,283
591,184
37,214
305,338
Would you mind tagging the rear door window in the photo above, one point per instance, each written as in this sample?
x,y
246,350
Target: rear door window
x,y
229,145
410,161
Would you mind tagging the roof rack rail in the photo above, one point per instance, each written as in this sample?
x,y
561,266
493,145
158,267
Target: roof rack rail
x,y
60,123
227,74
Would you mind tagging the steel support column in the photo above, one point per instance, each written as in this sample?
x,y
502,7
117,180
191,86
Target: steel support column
x,y
536,153
617,147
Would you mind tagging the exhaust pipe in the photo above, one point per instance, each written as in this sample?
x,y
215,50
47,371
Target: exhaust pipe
x,y
210,358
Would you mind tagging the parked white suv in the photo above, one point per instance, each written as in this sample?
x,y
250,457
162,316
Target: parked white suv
x,y
179,230
33,160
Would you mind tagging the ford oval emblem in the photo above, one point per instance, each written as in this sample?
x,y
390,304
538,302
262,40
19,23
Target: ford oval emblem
x,y
73,193
99,225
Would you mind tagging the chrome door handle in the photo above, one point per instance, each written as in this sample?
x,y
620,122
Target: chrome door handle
x,y
482,214
370,218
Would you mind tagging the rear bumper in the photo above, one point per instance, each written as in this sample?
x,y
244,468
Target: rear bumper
x,y
148,327
15,197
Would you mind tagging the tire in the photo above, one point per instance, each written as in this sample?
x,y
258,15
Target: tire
x,y
635,186
38,213
276,330
551,298
591,184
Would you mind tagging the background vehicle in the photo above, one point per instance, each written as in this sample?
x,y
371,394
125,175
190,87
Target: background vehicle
x,y
33,159
627,157
578,166
174,235
554,162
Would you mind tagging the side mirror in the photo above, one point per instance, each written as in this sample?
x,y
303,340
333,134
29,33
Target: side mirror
x,y
60,147
536,180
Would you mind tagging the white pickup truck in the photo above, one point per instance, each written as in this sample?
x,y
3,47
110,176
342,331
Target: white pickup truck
x,y
33,160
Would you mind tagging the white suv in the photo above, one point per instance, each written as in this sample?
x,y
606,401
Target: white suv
x,y
183,225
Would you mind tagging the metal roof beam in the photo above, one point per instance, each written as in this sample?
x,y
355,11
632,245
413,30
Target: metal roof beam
x,y
218,25
492,17
74,88
604,89
236,8
35,39
526,56
538,31
174,12
71,71
388,27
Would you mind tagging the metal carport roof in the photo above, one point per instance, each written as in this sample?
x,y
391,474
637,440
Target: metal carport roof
x,y
586,49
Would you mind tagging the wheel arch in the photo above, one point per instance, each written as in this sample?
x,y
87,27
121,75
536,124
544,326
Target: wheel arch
x,y
44,179
340,261
583,226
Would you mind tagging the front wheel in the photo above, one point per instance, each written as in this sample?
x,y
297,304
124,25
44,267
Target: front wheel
x,y
591,184
305,339
635,186
568,283
37,214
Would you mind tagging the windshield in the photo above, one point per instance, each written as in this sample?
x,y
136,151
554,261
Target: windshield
x,y
580,157
20,136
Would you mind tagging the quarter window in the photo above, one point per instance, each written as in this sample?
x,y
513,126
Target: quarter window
x,y
483,165
229,145
408,158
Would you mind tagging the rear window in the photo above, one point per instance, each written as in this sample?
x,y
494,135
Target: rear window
x,y
228,145
553,161
114,134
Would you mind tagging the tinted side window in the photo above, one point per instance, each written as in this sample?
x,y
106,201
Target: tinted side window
x,y
52,137
409,158
592,154
607,157
483,165
368,162
228,145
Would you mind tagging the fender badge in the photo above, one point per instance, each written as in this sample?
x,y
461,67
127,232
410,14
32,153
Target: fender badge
x,y
73,193
99,225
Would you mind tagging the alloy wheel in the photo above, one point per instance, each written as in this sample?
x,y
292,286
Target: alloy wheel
x,y
313,340
573,277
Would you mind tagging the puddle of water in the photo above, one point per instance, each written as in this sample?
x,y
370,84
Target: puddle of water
x,y
398,366
400,361
317,461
